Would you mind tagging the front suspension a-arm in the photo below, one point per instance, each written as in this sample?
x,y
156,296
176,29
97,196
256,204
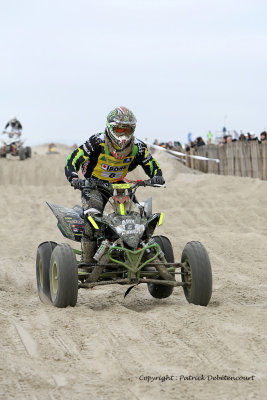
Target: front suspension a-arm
x,y
134,257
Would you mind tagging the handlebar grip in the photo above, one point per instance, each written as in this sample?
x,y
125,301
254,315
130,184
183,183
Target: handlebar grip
x,y
147,183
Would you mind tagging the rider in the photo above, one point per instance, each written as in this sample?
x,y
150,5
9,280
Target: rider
x,y
13,126
13,130
108,157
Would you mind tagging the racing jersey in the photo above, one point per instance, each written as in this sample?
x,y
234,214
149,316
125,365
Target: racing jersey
x,y
96,161
14,124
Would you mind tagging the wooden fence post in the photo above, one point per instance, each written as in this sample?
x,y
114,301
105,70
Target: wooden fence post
x,y
230,158
255,158
263,146
192,160
213,152
223,162
187,159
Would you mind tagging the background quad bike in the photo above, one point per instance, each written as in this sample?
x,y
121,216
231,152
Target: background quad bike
x,y
57,273
22,152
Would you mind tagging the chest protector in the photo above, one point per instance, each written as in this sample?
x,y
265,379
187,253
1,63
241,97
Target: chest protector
x,y
109,168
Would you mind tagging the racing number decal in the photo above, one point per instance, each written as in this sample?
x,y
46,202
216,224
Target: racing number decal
x,y
112,175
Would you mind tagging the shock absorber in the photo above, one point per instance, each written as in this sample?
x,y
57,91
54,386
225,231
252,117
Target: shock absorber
x,y
161,254
101,250
163,272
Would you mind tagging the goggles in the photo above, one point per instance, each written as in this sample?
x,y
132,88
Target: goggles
x,y
120,131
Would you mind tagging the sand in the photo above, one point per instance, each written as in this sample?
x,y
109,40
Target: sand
x,y
108,347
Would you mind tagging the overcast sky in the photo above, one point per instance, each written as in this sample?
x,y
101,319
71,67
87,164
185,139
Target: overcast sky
x,y
180,65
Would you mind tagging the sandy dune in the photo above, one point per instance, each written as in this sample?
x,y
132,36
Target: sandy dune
x,y
105,346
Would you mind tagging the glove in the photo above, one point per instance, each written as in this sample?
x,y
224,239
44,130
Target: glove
x,y
157,180
77,183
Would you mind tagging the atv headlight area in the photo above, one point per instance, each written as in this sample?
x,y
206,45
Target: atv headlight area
x,y
129,229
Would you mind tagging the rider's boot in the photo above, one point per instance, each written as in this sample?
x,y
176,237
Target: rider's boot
x,y
88,250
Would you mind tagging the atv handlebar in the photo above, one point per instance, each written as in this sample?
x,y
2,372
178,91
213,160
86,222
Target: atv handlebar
x,y
146,183
94,184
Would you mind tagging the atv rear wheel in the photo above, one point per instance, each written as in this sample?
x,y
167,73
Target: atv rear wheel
x,y
43,256
162,291
28,152
63,276
22,154
197,274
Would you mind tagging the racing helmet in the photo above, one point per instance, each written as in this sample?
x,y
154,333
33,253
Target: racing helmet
x,y
120,127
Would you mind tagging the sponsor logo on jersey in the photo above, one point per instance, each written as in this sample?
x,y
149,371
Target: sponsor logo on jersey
x,y
111,168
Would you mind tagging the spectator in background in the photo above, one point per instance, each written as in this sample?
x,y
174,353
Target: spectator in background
x,y
169,145
263,136
209,136
196,143
242,137
199,141
189,145
229,139
189,137
223,141
251,136
178,146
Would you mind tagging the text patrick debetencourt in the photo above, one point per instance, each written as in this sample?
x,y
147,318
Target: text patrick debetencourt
x,y
165,378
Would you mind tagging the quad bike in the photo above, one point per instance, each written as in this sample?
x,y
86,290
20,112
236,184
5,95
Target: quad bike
x,y
126,251
14,145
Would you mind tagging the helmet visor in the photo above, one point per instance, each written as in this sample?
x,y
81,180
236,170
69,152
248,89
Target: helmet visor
x,y
123,130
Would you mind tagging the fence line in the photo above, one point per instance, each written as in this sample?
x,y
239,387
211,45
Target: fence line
x,y
248,159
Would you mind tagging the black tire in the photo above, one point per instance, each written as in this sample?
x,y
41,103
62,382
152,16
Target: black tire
x,y
63,276
43,256
162,291
28,152
198,274
22,154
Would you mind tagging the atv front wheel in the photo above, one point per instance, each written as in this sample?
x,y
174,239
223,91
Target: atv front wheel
x,y
162,291
197,274
63,276
43,256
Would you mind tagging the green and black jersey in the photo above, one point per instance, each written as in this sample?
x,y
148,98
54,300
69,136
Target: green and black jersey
x,y
95,160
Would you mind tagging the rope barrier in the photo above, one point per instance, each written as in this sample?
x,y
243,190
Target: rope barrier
x,y
182,154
